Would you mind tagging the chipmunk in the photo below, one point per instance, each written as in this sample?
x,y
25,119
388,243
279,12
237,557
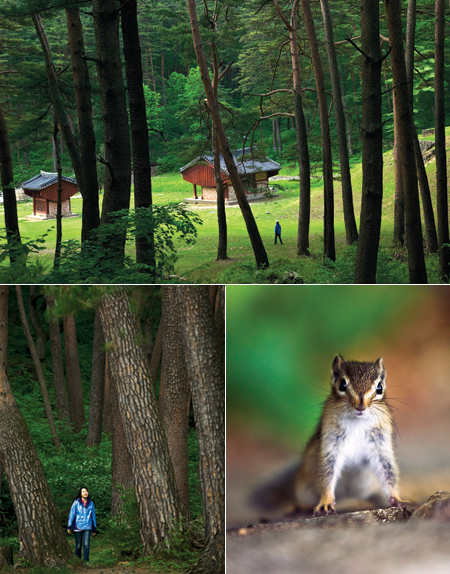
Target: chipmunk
x,y
354,435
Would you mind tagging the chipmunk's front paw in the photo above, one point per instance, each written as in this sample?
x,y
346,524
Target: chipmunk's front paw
x,y
397,502
324,508
403,504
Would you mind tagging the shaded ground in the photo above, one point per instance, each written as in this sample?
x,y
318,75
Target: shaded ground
x,y
123,568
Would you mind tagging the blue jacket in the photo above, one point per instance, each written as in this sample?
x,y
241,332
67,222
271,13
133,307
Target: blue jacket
x,y
278,228
81,517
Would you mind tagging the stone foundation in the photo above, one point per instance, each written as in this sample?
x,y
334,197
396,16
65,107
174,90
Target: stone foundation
x,y
65,208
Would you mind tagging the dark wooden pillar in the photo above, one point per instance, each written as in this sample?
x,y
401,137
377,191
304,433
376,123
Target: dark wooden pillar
x,y
195,191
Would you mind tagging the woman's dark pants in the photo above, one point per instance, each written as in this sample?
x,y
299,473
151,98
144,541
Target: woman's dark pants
x,y
82,538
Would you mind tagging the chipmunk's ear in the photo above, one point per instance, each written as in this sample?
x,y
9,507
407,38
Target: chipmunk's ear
x,y
379,363
337,366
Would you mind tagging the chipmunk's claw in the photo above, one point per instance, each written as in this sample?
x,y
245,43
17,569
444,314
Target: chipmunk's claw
x,y
324,510
403,504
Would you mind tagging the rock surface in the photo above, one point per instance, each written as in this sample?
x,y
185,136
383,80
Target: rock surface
x,y
437,507
380,541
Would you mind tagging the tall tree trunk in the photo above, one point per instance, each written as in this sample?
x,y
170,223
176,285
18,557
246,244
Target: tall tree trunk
x,y
206,374
107,409
4,296
441,157
301,134
122,479
175,397
39,331
399,207
58,106
430,224
142,176
42,540
82,86
62,407
56,261
404,122
252,229
328,218
220,189
372,160
409,47
94,436
117,158
351,232
157,495
9,192
73,375
38,368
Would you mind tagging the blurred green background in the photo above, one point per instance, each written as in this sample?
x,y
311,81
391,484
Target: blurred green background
x,y
281,341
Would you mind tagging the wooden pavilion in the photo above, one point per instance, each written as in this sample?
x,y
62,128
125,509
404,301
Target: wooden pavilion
x,y
254,172
43,188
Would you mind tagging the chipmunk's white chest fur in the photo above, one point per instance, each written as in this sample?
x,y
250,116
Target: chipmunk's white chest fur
x,y
353,442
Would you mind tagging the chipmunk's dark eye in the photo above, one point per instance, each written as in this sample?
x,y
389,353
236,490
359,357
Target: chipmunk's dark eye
x,y
343,385
379,389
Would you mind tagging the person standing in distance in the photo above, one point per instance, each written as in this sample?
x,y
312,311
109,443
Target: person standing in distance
x,y
277,232
82,522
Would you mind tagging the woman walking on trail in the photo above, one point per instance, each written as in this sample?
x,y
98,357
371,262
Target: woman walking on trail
x,y
82,522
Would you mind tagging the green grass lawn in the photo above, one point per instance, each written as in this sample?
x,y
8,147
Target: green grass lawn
x,y
197,263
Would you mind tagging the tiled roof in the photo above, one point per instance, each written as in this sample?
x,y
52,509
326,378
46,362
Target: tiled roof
x,y
43,180
248,166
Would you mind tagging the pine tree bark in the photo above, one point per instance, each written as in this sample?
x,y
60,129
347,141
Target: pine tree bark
x,y
175,396
4,296
116,135
9,192
107,411
404,122
121,466
304,214
156,490
329,250
351,232
206,374
38,328
82,87
62,407
38,368
94,436
372,131
142,176
252,229
441,156
155,361
42,540
73,374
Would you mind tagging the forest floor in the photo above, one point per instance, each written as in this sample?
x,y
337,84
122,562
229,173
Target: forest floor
x,y
120,568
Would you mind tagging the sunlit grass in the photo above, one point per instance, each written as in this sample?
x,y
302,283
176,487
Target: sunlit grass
x,y
197,263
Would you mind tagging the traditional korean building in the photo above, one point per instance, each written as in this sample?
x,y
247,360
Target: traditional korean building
x,y
43,188
254,175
